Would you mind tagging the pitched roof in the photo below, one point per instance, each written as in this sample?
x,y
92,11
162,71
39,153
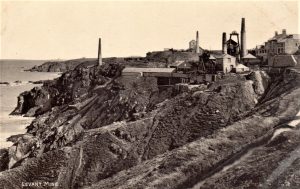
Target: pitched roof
x,y
149,70
211,57
282,37
181,64
220,56
241,66
249,56
177,63
284,61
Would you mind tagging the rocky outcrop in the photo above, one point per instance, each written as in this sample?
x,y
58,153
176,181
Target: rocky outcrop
x,y
34,102
173,124
4,159
71,86
107,131
62,66
41,172
187,165
260,80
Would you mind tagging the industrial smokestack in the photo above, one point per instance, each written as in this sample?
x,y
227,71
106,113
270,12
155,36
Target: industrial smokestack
x,y
243,39
224,45
197,42
99,53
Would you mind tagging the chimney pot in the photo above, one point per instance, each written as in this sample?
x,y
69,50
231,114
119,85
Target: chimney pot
x,y
284,31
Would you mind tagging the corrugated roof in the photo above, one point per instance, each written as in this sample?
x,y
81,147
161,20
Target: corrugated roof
x,y
149,70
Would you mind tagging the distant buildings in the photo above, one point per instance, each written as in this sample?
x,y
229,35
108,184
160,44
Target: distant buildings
x,y
181,66
280,44
194,45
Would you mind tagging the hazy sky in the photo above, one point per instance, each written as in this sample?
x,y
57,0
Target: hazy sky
x,y
49,30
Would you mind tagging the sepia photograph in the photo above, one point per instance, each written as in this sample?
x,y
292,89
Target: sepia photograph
x,y
150,94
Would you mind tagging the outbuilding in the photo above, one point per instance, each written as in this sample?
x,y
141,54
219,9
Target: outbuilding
x,y
132,71
240,68
225,63
181,66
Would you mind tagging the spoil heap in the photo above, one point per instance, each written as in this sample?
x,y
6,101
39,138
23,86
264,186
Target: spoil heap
x,y
102,130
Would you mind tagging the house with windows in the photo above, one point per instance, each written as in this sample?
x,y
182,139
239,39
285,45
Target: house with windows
x,y
279,44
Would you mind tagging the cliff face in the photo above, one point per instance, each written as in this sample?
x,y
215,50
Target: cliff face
x,y
107,131
71,86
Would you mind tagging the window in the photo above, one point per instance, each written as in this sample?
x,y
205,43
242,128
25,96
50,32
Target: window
x,y
229,59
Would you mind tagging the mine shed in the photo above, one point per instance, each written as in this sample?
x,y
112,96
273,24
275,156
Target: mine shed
x,y
181,66
165,76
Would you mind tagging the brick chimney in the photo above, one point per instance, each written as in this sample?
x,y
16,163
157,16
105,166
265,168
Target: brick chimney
x,y
197,42
224,45
276,33
243,39
284,31
99,53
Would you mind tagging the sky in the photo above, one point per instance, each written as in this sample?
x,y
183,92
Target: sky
x,y
65,29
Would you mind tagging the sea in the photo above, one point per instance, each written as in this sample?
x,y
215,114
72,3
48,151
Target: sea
x,y
17,81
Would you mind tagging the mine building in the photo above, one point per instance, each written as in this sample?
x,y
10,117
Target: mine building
x,y
233,47
236,45
225,63
279,44
194,45
250,59
165,76
241,68
181,66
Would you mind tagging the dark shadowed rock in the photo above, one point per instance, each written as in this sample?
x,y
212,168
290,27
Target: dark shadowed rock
x,y
4,159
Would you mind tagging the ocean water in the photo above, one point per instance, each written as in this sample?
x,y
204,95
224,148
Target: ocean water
x,y
11,71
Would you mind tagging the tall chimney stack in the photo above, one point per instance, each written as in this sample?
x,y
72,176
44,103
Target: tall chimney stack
x,y
197,42
243,39
99,53
224,45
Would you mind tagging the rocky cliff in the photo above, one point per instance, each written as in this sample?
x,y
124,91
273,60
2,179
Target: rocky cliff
x,y
97,129
61,66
